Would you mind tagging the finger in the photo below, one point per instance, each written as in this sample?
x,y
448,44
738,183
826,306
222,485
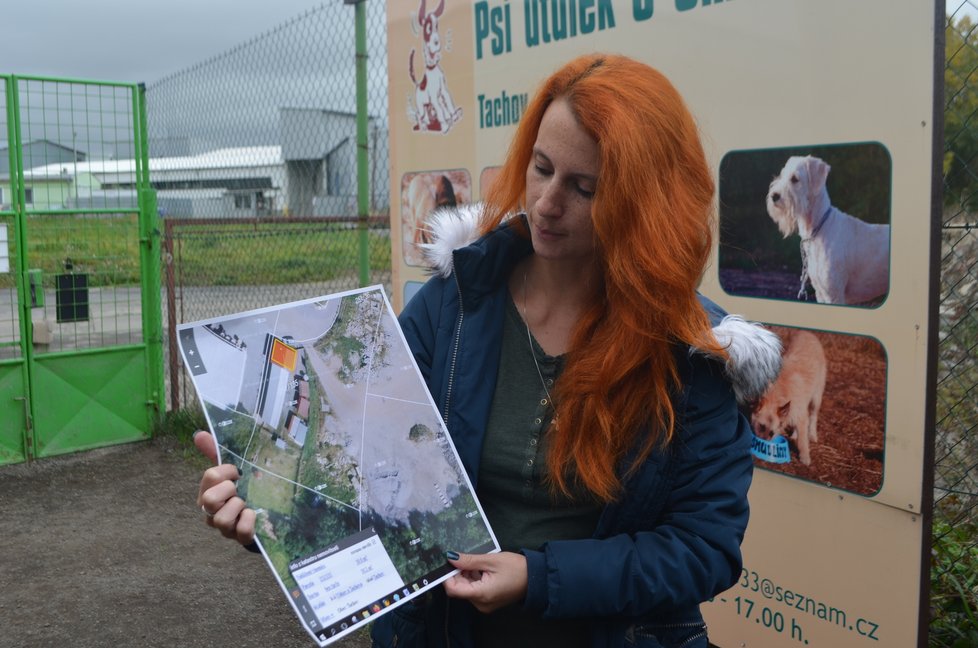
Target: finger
x,y
214,498
246,527
488,581
226,518
470,562
241,528
207,444
212,477
459,586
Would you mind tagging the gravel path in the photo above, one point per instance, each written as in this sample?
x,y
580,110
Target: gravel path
x,y
106,548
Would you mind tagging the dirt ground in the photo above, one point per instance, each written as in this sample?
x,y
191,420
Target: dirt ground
x,y
106,548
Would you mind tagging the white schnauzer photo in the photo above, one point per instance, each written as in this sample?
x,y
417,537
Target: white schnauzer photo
x,y
846,259
807,223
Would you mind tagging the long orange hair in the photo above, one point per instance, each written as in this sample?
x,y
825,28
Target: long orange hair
x,y
653,223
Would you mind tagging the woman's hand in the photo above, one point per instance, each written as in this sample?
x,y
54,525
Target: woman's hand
x,y
488,581
218,496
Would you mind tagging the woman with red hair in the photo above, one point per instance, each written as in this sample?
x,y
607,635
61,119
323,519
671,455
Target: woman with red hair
x,y
590,392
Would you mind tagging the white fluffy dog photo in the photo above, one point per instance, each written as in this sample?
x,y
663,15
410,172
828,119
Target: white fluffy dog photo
x,y
847,260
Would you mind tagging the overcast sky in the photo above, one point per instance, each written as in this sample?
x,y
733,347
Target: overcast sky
x,y
138,40
130,40
959,8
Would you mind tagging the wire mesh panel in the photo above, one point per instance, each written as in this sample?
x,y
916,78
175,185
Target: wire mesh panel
x,y
79,165
266,134
13,388
90,274
268,128
79,149
260,264
954,581
9,316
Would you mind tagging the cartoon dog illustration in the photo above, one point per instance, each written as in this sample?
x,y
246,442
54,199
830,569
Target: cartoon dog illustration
x,y
790,406
434,109
846,259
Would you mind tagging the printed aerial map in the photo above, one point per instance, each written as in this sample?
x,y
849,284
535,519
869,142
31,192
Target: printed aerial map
x,y
344,456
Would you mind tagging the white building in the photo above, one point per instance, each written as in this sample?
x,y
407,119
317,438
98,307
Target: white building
x,y
312,173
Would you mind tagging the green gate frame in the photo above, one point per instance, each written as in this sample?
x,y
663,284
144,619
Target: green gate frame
x,y
65,401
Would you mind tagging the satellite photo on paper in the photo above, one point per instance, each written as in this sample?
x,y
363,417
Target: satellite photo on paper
x,y
357,486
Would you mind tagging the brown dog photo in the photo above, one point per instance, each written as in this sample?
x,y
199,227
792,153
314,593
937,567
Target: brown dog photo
x,y
421,195
829,404
790,406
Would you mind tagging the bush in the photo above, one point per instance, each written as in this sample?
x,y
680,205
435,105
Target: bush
x,y
954,585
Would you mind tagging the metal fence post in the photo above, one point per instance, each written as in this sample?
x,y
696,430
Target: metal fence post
x,y
363,169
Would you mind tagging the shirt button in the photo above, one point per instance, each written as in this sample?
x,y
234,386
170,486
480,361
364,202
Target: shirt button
x,y
550,382
533,442
538,421
529,462
543,401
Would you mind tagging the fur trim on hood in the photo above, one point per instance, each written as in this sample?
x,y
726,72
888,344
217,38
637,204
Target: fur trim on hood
x,y
451,228
753,352
753,356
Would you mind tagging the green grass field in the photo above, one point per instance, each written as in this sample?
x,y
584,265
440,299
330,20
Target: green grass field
x,y
274,253
266,491
204,253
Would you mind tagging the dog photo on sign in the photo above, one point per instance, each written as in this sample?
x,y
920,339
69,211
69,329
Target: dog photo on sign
x,y
828,406
807,224
421,195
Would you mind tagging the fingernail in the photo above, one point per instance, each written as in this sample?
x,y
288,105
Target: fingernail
x,y
240,472
451,555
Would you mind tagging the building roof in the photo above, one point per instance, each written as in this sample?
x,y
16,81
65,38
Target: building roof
x,y
226,158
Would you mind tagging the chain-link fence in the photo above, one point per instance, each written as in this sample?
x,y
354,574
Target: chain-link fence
x,y
253,155
954,595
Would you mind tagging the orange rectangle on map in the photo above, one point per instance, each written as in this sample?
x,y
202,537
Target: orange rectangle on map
x,y
283,355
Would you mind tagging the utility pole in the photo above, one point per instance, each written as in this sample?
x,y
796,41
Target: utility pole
x,y
74,154
363,173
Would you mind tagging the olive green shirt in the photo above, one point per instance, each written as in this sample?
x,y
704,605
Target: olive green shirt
x,y
521,507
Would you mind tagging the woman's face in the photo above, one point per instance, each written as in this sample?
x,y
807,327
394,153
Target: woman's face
x,y
560,184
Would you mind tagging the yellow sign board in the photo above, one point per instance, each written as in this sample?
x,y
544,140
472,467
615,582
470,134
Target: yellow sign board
x,y
820,126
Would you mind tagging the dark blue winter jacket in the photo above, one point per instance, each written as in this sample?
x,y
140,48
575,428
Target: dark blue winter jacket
x,y
670,542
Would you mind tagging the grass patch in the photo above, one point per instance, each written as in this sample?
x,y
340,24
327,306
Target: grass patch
x,y
275,253
954,585
106,247
175,429
266,491
181,424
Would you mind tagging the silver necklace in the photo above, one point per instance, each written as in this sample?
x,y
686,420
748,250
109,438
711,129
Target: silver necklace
x,y
533,353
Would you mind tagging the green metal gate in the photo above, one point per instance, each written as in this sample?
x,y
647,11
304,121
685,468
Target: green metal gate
x,y
80,323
